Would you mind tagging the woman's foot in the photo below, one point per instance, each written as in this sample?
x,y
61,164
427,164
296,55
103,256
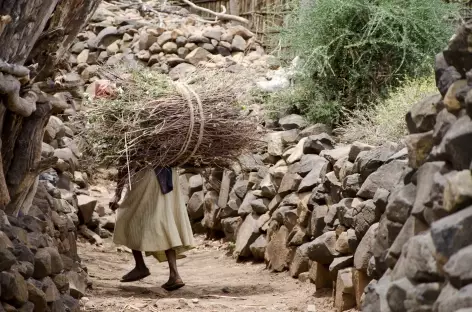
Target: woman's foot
x,y
173,284
135,275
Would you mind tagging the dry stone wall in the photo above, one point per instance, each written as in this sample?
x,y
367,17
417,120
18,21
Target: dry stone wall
x,y
388,227
175,43
40,269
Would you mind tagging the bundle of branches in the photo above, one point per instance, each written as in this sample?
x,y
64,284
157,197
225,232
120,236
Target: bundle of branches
x,y
156,122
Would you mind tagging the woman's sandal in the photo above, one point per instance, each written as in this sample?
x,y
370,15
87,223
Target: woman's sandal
x,y
173,286
135,275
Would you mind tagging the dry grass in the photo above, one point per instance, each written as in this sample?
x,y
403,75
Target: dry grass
x,y
386,120
150,122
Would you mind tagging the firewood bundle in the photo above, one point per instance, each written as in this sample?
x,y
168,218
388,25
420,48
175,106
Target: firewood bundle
x,y
157,122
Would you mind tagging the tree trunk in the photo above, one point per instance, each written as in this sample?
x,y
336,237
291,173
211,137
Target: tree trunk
x,y
33,31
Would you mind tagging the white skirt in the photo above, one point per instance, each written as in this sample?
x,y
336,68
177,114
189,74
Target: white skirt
x,y
152,222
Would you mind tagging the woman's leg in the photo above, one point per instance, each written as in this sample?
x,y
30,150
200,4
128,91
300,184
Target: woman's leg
x,y
140,270
175,281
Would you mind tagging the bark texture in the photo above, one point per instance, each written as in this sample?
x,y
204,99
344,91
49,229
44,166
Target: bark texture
x,y
31,32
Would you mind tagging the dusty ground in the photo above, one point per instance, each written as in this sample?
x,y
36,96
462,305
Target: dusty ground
x,y
215,282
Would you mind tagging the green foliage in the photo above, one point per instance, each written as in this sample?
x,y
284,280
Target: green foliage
x,y
385,119
352,51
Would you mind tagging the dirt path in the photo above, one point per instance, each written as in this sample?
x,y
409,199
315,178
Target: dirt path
x,y
215,282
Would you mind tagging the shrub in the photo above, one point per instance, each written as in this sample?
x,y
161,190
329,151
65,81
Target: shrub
x,y
354,50
385,120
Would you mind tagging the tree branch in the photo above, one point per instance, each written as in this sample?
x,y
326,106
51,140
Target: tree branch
x,y
221,16
10,86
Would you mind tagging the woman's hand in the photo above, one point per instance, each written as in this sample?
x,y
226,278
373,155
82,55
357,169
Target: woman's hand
x,y
114,203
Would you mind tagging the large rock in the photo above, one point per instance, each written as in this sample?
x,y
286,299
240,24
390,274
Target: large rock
x,y
344,298
297,152
386,177
397,294
42,264
368,161
290,183
335,154
231,226
293,122
14,288
425,181
451,234
300,262
422,115
458,191
268,186
454,146
444,121
246,207
323,248
365,249
376,295
37,297
419,147
458,270
54,129
412,227
315,144
455,301
278,255
319,169
7,259
400,203
195,206
356,149
211,211
247,234
319,275
86,206
318,220
364,216
275,145
77,283
419,260
258,248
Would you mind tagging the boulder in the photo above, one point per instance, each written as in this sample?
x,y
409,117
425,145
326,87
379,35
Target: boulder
x,y
315,144
77,283
323,248
318,220
319,275
14,288
368,161
400,203
457,269
7,259
297,152
419,146
454,147
335,154
319,169
356,149
268,186
231,226
42,264
397,294
246,207
238,44
344,298
386,177
364,216
275,145
425,182
247,234
37,297
258,248
86,206
182,70
451,234
300,262
444,121
365,249
195,205
211,211
422,115
454,300
293,122
421,265
290,183
458,191
278,255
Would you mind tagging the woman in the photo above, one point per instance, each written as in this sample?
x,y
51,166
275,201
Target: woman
x,y
153,219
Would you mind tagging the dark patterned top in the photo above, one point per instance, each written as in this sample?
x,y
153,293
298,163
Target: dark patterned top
x,y
164,176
